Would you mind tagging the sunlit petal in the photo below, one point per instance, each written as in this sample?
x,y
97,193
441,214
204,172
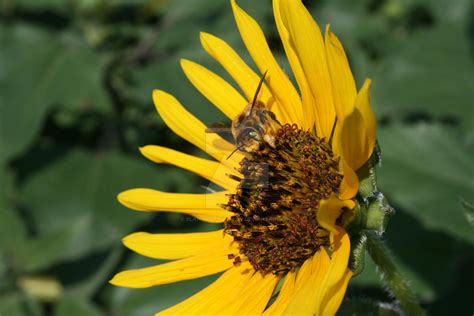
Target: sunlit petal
x,y
208,169
176,246
245,77
309,102
309,46
254,296
204,206
185,125
286,95
362,103
214,88
343,85
185,269
217,296
286,293
304,300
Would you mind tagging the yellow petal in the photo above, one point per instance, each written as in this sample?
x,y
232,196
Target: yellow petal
x,y
362,103
245,77
329,210
176,246
210,170
214,88
215,297
351,140
320,271
343,86
309,46
350,183
336,271
320,266
309,104
304,300
185,269
282,89
185,125
296,282
304,273
254,296
206,206
286,293
335,295
356,139
326,274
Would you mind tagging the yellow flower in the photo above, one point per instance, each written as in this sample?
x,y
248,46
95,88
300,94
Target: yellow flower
x,y
284,232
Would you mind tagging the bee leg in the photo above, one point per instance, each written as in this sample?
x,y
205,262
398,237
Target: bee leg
x,y
270,139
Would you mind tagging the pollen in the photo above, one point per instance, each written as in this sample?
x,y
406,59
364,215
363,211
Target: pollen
x,y
276,202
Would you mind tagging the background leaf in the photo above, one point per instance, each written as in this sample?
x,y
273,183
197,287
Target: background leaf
x,y
71,306
433,160
76,79
446,69
82,218
62,71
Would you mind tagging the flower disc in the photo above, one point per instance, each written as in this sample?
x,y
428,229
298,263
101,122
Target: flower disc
x,y
277,200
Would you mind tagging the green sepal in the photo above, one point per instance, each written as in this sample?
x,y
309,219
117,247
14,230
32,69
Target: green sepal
x,y
374,211
357,256
367,174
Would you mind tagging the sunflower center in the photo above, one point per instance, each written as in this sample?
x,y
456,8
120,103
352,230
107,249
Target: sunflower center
x,y
276,202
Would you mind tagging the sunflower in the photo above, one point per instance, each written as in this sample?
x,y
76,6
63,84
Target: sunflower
x,y
282,249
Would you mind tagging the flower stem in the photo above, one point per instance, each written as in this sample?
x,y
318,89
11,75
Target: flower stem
x,y
393,279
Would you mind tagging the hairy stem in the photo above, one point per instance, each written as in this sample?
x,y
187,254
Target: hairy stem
x,y
357,258
390,275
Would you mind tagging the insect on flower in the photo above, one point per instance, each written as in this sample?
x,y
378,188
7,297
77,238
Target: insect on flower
x,y
281,194
253,126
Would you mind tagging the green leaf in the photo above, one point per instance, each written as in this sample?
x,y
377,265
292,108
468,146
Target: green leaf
x,y
214,19
426,170
367,307
60,70
84,278
72,306
355,26
73,204
56,5
164,72
446,12
12,228
468,211
414,245
431,73
168,76
348,19
18,304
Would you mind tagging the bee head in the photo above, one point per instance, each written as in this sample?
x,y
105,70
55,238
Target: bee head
x,y
249,139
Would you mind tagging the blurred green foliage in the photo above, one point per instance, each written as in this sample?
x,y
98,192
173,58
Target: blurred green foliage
x,y
76,78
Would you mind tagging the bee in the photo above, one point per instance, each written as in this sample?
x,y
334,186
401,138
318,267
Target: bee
x,y
255,125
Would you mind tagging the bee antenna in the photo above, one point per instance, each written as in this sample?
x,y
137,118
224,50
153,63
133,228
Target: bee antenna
x,y
233,151
258,90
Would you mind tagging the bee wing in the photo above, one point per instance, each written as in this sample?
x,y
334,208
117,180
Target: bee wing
x,y
218,128
223,131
